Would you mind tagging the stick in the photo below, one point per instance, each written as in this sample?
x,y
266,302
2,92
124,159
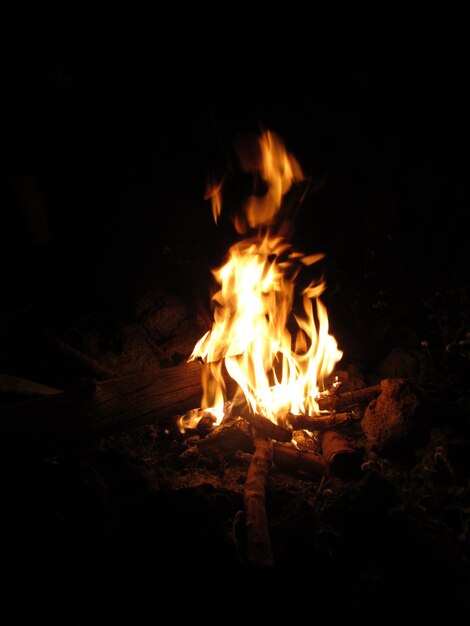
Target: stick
x,y
312,422
259,551
340,402
99,371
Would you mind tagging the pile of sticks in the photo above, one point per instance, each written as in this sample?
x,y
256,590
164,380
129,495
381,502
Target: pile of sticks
x,y
271,446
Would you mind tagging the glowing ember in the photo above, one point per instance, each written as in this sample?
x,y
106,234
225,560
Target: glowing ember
x,y
276,372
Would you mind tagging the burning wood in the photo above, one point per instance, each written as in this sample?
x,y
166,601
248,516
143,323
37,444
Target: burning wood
x,y
268,428
232,435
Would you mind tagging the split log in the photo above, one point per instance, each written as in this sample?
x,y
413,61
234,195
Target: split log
x,y
50,425
259,551
342,459
320,422
345,400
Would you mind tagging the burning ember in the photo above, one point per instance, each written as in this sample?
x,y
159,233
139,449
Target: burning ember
x,y
277,357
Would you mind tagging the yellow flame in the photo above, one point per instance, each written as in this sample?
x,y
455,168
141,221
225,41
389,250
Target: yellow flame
x,y
214,194
276,372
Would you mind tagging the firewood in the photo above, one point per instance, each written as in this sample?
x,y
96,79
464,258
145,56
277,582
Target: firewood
x,y
320,422
344,400
342,459
289,459
226,439
264,426
259,551
50,425
233,435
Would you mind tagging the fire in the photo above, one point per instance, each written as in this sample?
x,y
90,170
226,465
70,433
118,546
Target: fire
x,y
277,357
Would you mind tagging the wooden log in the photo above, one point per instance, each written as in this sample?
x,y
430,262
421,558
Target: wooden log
x,y
320,422
226,439
345,400
258,546
50,425
289,459
342,459
234,435
265,427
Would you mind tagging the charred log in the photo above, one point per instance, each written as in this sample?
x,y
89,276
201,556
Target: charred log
x,y
267,428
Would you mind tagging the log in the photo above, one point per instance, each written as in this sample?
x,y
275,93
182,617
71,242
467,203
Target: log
x,y
267,428
226,439
233,435
320,422
54,424
258,542
342,459
289,459
345,400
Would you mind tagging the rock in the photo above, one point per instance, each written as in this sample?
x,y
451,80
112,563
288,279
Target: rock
x,y
390,422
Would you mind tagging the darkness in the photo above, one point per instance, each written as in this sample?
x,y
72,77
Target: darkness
x,y
116,116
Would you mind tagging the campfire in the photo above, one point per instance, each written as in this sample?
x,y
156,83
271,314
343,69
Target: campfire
x,y
269,352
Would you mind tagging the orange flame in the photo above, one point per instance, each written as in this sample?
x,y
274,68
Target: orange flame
x,y
275,372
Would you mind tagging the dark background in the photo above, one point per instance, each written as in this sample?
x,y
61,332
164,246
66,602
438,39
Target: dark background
x,y
115,117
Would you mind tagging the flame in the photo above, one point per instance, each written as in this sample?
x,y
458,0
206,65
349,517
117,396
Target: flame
x,y
276,372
